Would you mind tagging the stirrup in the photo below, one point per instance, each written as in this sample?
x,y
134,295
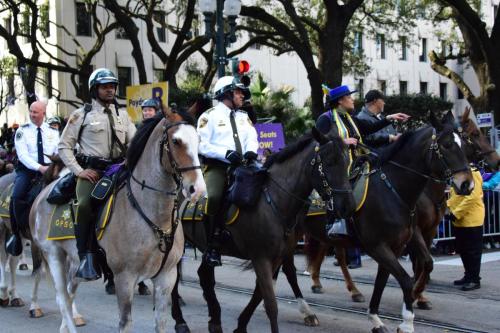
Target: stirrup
x,y
338,229
14,246
87,270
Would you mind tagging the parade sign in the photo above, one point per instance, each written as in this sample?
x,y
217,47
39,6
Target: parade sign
x,y
137,94
270,136
484,120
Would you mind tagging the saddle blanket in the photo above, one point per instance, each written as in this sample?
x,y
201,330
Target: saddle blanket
x,y
5,201
61,221
359,191
195,211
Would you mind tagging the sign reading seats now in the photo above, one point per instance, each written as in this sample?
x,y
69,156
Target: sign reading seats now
x,y
137,94
270,136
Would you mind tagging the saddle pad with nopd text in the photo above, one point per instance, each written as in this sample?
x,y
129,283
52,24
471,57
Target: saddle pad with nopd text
x,y
5,201
61,221
194,212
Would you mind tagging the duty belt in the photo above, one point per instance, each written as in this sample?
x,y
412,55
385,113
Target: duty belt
x,y
95,162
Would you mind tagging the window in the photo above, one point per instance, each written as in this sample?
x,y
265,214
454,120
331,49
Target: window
x,y
495,11
159,75
82,84
459,94
255,46
382,85
120,33
124,79
423,88
47,82
83,20
44,19
380,46
403,40
358,43
7,23
423,50
360,88
443,90
196,26
443,48
403,87
161,31
26,24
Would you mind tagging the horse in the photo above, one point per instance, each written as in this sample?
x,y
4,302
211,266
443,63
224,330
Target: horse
x,y
263,234
10,295
161,159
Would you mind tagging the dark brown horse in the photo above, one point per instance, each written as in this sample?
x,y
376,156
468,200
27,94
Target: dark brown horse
x,y
264,234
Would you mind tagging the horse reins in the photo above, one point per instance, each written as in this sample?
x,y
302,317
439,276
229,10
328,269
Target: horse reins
x,y
166,238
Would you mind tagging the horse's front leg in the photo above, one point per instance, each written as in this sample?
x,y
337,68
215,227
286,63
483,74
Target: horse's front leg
x,y
163,284
124,284
180,324
264,271
423,266
207,282
4,295
356,295
15,300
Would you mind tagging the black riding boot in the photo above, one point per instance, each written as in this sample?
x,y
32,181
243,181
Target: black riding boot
x,y
18,212
337,229
212,255
88,262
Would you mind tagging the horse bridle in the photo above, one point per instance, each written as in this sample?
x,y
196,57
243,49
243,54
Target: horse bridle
x,y
477,151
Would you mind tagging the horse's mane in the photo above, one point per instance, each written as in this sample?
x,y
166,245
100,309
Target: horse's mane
x,y
186,116
300,145
140,139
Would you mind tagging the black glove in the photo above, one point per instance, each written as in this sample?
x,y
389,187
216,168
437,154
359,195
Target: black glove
x,y
250,156
234,157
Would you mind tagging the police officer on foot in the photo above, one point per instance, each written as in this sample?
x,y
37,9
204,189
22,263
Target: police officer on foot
x,y
34,141
227,136
102,132
149,108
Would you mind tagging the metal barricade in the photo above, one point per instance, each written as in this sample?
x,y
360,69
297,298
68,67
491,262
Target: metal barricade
x,y
491,225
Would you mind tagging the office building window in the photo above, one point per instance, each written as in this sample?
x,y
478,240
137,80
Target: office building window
x,y
403,44
423,88
403,87
358,43
7,24
161,31
382,86
423,50
380,46
83,20
255,46
495,11
48,82
159,75
443,90
459,94
124,79
360,88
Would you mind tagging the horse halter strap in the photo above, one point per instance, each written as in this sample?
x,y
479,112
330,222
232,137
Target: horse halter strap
x,y
435,150
481,154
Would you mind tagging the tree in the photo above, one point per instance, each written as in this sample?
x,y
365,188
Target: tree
x,y
481,48
7,65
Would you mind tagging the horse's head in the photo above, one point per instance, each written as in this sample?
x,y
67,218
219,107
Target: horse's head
x,y
54,169
447,158
475,144
179,150
330,174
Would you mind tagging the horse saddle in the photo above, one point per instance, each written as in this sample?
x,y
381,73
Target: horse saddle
x,y
359,180
195,212
6,195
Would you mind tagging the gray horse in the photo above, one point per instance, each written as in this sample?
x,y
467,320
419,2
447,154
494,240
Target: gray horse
x,y
162,153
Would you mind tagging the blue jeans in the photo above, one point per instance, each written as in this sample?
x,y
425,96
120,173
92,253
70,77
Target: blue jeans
x,y
19,205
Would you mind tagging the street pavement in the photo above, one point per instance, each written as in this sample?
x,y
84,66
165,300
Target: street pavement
x,y
472,311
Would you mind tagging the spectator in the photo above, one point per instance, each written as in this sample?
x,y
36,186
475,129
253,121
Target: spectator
x,y
468,218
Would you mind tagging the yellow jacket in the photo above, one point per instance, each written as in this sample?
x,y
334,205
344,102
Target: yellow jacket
x,y
468,209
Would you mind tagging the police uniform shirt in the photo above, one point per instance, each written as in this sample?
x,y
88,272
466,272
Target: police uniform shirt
x,y
26,144
216,133
96,136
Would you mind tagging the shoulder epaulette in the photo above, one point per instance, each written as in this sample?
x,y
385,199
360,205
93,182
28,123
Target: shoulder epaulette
x,y
87,107
25,125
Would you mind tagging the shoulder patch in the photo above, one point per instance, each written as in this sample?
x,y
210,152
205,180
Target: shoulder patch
x,y
202,122
74,117
19,134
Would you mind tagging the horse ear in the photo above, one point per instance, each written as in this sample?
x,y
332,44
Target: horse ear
x,y
167,112
434,121
322,139
448,119
465,115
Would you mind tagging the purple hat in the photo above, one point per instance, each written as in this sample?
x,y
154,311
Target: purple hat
x,y
336,93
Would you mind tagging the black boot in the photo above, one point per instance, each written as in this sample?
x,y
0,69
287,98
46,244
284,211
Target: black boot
x,y
87,269
338,229
14,245
212,255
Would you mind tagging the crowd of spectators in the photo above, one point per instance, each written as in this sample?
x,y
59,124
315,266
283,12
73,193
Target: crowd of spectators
x,y
7,150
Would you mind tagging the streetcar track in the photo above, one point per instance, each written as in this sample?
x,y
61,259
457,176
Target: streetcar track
x,y
284,299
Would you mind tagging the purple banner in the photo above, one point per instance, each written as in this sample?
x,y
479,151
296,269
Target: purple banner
x,y
270,136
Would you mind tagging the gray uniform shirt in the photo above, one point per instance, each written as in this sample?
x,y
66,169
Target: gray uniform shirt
x,y
96,136
381,137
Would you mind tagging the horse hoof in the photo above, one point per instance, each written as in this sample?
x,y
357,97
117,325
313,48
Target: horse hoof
x,y
317,289
311,320
16,303
110,289
4,302
381,329
36,313
424,305
23,267
182,328
79,321
358,298
214,328
144,290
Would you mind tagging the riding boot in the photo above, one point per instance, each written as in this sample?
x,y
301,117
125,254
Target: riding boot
x,y
87,269
354,256
338,229
212,255
14,245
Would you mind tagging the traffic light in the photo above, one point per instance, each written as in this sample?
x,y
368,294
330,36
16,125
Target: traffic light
x,y
240,68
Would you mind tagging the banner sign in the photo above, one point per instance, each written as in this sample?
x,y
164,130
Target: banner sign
x,y
484,119
270,136
137,94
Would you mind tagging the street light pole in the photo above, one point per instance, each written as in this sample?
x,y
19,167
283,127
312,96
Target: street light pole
x,y
220,41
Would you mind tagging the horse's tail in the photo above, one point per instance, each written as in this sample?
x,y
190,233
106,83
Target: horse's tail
x,y
312,249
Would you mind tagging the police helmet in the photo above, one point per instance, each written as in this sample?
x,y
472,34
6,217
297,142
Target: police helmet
x,y
228,84
151,103
102,76
54,120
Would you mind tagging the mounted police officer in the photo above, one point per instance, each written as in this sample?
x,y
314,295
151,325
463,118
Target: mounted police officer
x,y
351,129
101,131
149,108
227,137
34,141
